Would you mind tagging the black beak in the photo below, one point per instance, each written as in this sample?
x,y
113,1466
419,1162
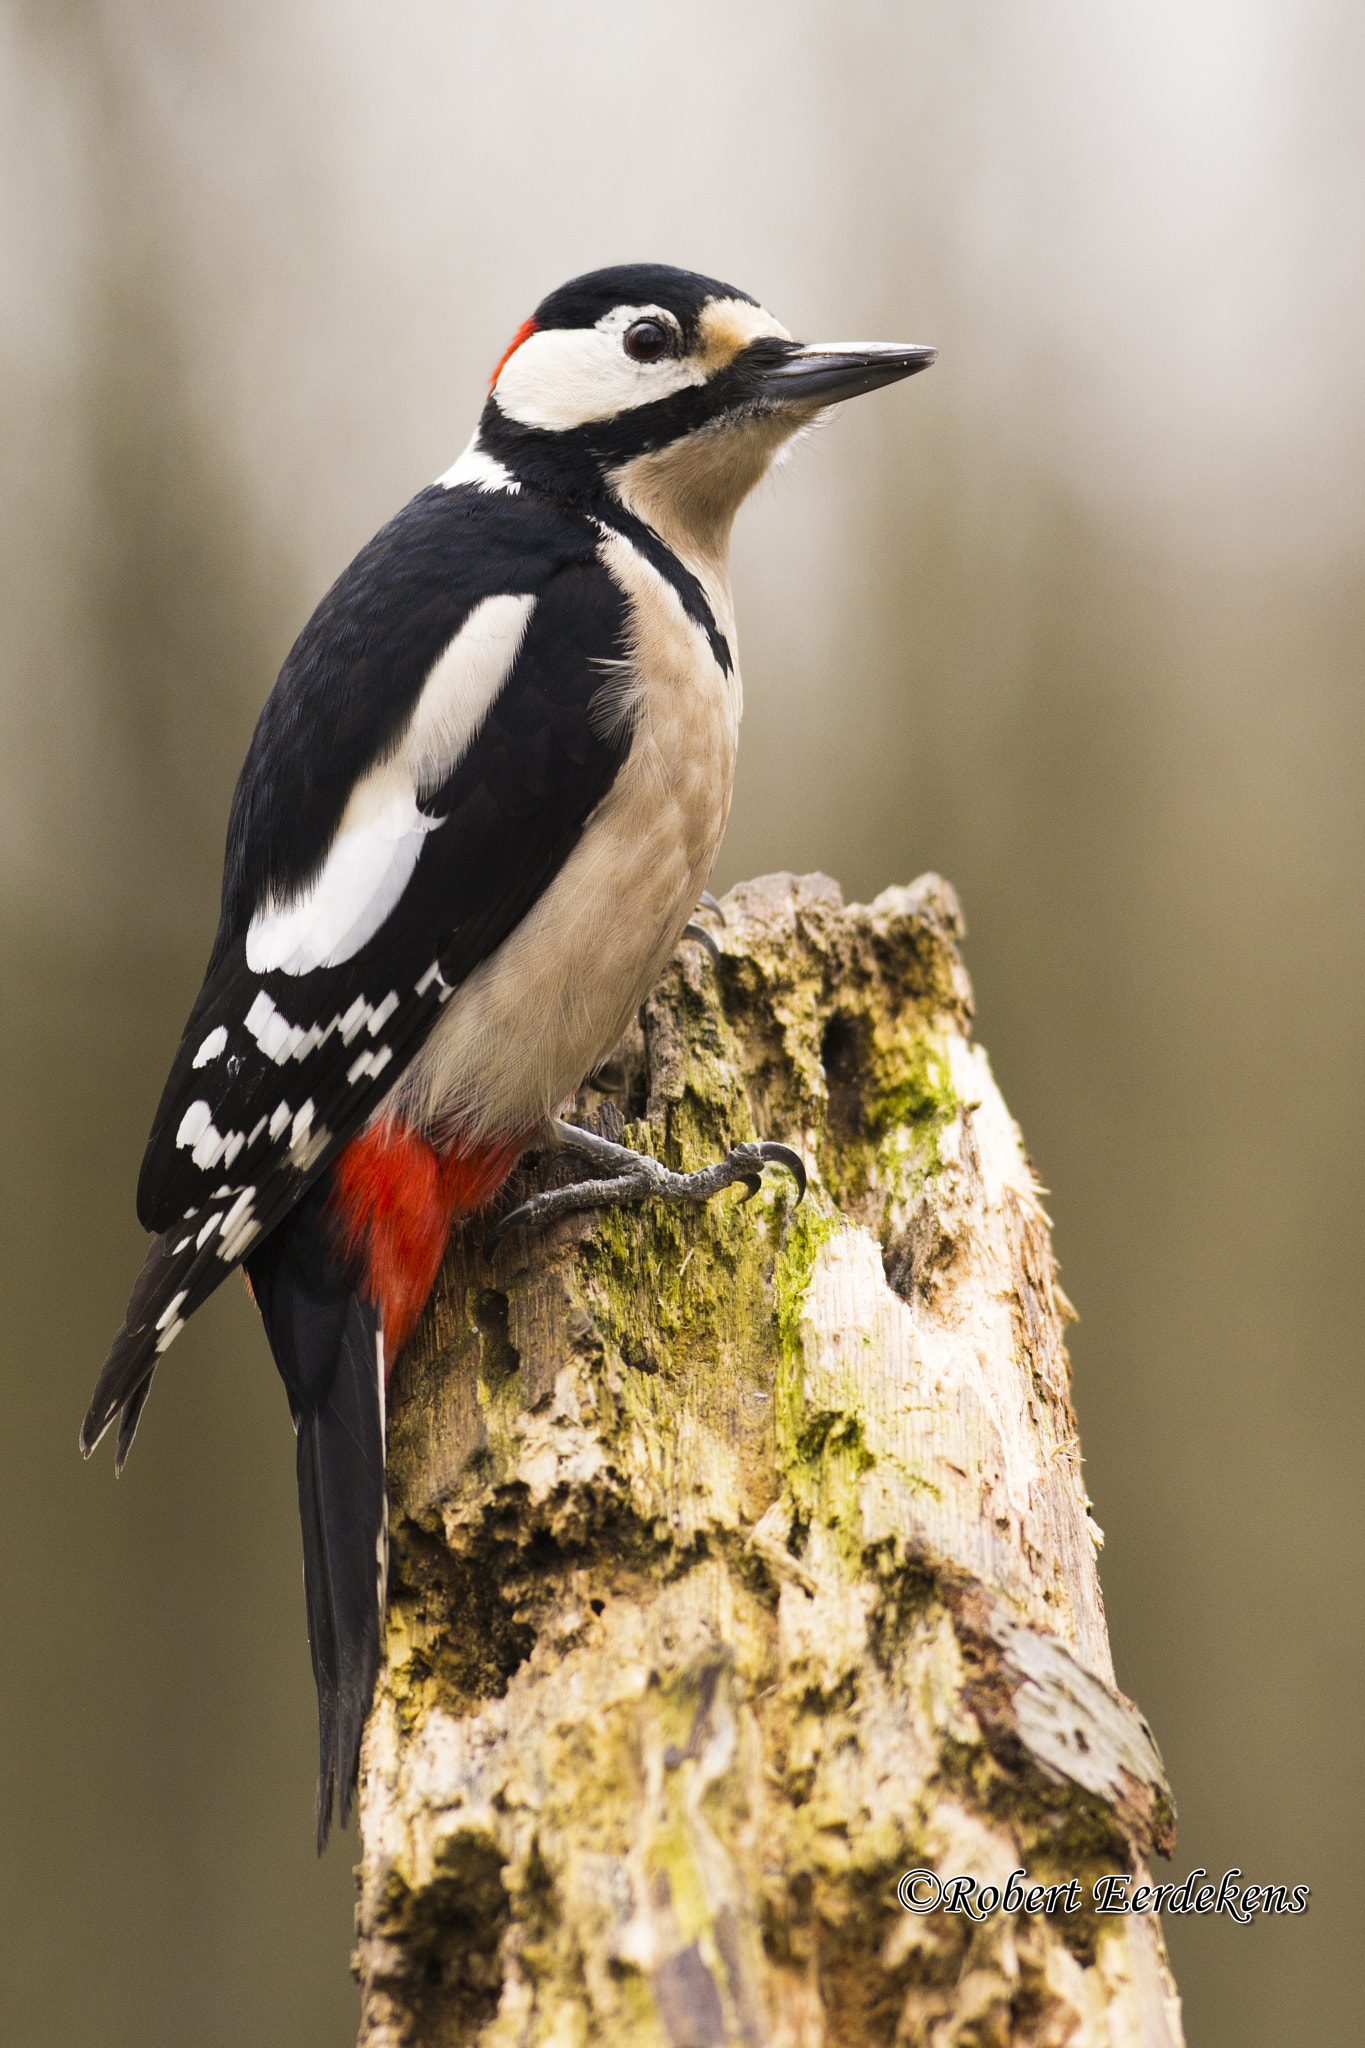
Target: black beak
x,y
838,370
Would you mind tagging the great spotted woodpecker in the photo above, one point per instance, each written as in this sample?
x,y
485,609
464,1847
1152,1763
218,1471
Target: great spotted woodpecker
x,y
474,820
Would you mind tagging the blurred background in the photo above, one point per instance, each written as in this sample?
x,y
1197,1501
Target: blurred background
x,y
1075,619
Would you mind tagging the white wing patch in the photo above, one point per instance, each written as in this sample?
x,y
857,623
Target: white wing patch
x,y
211,1047
170,1322
282,1041
371,860
208,1144
278,1039
369,1063
239,1227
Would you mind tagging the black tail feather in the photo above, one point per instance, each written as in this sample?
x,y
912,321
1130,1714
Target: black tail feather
x,y
326,1342
343,1511
322,1633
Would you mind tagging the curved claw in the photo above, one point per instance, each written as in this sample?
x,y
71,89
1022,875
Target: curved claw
x,y
753,1182
525,1212
501,1228
704,938
708,902
782,1155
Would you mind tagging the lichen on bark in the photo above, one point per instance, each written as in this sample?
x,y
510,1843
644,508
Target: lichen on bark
x,y
741,1561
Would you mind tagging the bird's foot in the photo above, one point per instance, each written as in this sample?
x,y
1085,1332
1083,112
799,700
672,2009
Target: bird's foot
x,y
628,1176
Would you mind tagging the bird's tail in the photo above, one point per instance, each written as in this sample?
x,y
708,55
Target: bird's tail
x,y
328,1345
340,1284
343,1510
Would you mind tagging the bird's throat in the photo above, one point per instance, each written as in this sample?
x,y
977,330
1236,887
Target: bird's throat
x,y
690,491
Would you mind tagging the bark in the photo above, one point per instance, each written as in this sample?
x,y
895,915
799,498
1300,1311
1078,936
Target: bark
x,y
741,1562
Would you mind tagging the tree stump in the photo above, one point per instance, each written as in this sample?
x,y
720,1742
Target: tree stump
x,y
742,1562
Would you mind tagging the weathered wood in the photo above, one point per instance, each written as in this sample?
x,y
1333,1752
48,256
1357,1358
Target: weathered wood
x,y
742,1562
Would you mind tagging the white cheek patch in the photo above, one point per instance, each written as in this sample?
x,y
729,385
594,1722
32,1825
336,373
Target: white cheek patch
x,y
383,829
565,377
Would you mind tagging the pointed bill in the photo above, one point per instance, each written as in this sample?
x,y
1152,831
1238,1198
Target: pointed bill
x,y
830,371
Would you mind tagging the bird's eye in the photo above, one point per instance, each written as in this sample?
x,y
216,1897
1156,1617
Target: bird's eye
x,y
647,340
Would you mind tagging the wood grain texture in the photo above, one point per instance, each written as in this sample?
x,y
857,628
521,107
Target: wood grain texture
x,y
741,1561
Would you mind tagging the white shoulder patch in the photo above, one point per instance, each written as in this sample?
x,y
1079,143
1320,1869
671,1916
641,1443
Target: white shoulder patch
x,y
366,871
476,466
458,694
370,862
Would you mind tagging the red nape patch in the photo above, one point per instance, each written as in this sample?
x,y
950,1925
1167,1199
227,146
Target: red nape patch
x,y
523,333
393,1200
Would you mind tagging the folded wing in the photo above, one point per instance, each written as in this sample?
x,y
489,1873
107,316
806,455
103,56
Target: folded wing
x,y
459,806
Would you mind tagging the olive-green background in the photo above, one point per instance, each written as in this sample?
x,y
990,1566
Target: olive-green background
x,y
1075,619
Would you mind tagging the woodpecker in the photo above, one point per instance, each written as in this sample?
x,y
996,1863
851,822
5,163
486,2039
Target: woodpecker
x,y
474,821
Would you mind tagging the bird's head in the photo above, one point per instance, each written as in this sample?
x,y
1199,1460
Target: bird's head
x,y
669,392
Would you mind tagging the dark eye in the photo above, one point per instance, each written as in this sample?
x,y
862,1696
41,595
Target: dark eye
x,y
647,340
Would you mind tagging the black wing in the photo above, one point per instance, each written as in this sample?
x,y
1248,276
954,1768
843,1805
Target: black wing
x,y
276,1071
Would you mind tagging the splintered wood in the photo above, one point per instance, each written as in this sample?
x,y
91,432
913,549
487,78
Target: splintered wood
x,y
742,1563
